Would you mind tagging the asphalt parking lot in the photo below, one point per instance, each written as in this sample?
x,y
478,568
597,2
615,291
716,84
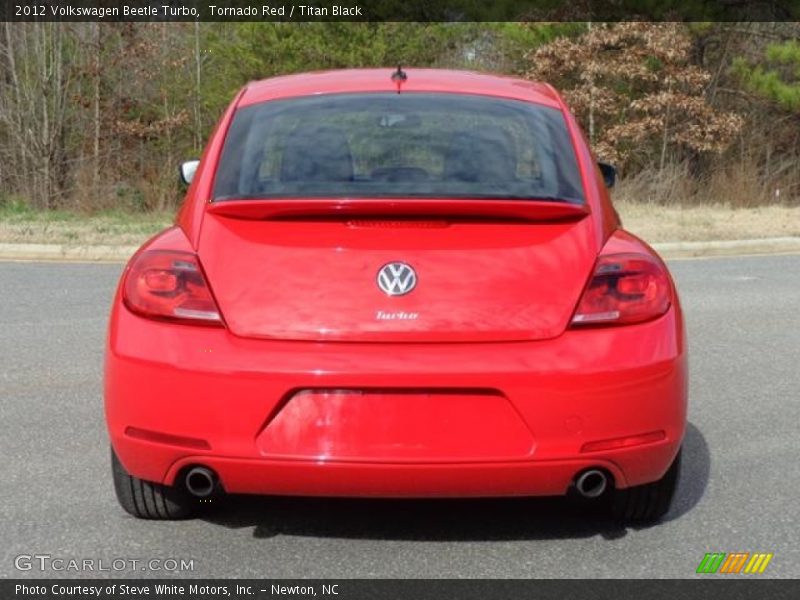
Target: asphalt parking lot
x,y
737,492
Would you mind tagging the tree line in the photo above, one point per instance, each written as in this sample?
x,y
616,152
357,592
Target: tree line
x,y
98,116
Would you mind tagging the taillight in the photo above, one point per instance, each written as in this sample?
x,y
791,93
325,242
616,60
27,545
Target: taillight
x,y
166,284
625,288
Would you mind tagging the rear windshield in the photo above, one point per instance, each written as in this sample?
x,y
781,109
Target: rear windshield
x,y
409,145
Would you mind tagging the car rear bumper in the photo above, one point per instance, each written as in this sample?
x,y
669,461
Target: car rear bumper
x,y
306,418
307,478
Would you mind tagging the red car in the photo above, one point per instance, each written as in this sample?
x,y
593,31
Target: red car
x,y
396,284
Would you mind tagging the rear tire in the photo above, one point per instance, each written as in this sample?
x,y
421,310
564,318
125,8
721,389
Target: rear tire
x,y
647,503
148,500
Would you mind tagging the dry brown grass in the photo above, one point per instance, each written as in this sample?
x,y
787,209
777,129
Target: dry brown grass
x,y
740,185
670,206
676,223
114,229
651,221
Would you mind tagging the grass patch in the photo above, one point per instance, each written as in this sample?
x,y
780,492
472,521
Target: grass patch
x,y
650,221
19,224
676,223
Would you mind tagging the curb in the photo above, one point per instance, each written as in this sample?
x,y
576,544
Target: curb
x,y
668,250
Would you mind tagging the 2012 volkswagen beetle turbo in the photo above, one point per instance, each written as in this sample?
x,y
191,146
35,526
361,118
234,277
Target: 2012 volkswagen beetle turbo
x,y
396,284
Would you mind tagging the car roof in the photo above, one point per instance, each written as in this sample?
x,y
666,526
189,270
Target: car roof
x,y
380,80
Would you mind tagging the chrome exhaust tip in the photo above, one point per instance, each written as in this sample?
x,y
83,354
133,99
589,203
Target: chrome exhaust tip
x,y
200,482
591,483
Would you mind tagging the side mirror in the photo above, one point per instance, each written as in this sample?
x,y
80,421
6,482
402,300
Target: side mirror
x,y
188,170
609,173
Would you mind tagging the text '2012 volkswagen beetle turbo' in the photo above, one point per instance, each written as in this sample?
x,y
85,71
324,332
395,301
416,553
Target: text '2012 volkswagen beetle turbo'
x,y
407,284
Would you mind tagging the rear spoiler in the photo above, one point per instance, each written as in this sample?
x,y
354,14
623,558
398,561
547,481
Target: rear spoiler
x,y
334,208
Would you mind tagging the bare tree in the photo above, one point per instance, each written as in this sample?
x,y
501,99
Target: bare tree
x,y
33,108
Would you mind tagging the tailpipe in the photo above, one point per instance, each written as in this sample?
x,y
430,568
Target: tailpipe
x,y
591,483
200,482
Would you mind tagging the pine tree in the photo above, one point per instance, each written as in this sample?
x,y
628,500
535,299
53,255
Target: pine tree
x,y
779,80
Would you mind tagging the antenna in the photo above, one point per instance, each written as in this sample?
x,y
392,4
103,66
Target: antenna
x,y
399,77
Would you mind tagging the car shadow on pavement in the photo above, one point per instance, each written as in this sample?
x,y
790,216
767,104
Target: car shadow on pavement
x,y
451,519
695,472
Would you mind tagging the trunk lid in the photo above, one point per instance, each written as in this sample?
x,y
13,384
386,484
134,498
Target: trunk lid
x,y
500,271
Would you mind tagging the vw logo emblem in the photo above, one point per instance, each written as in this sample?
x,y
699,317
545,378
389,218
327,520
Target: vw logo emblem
x,y
396,279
